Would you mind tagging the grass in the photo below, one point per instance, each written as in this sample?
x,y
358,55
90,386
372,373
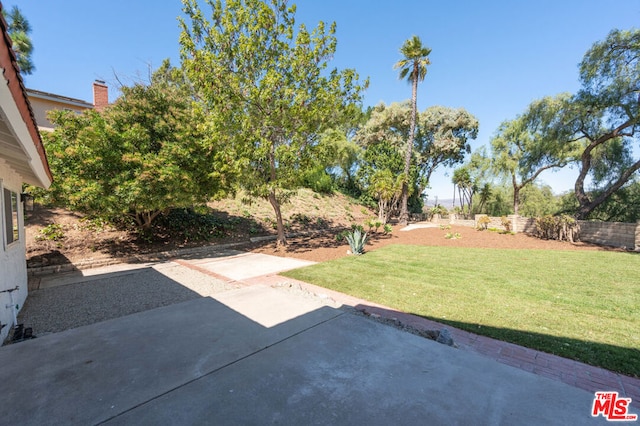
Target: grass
x,y
583,305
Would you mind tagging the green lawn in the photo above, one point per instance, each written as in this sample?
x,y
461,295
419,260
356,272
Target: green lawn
x,y
583,305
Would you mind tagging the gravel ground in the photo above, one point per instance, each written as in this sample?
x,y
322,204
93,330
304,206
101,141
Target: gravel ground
x,y
112,295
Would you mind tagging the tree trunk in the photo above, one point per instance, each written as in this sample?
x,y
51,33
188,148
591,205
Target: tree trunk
x,y
516,194
382,211
586,204
282,238
404,211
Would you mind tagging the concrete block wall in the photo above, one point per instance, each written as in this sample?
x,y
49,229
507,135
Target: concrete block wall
x,y
523,224
496,222
615,234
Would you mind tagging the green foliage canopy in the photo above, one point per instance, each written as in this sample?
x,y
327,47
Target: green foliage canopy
x,y
442,138
267,89
145,154
19,28
526,146
604,116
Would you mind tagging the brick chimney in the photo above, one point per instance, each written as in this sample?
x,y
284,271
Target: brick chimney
x,y
100,95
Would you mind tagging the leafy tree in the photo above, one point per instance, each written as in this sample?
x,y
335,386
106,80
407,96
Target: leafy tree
x,y
535,200
442,136
145,154
525,147
443,139
266,87
622,206
538,200
18,28
387,189
413,67
484,194
477,176
499,202
605,116
344,156
466,188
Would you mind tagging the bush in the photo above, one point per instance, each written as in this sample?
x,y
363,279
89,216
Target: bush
x,y
561,228
356,227
506,222
357,239
483,222
318,180
189,225
53,232
373,224
439,209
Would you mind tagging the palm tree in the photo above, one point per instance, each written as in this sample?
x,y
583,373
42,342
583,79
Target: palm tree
x,y
413,67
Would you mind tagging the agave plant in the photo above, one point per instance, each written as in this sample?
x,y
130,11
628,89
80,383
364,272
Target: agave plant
x,y
357,239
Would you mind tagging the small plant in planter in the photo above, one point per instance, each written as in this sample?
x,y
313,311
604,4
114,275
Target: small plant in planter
x,y
356,239
483,222
506,222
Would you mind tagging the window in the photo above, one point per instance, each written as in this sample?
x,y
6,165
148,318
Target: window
x,y
11,216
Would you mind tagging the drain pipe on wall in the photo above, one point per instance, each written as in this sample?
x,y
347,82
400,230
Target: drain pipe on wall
x,y
13,306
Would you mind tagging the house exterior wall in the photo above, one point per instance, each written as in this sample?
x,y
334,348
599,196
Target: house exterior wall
x,y
13,270
42,106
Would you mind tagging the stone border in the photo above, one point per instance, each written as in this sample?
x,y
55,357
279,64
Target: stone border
x,y
152,257
148,257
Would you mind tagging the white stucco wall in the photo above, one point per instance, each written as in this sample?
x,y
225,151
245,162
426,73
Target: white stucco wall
x,y
13,266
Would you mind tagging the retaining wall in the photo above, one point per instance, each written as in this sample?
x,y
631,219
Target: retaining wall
x,y
615,234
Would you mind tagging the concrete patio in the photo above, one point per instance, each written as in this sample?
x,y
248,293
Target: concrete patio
x,y
263,355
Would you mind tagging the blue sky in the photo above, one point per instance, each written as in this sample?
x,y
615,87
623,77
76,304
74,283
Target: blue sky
x,y
491,57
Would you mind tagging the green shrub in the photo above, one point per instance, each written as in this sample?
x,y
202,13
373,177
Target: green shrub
x,y
357,239
373,224
355,226
341,235
318,180
52,232
561,228
439,209
387,229
93,224
190,225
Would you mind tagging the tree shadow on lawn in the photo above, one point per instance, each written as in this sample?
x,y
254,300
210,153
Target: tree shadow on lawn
x,y
618,359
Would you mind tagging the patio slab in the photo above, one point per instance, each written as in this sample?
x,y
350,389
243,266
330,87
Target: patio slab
x,y
259,355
